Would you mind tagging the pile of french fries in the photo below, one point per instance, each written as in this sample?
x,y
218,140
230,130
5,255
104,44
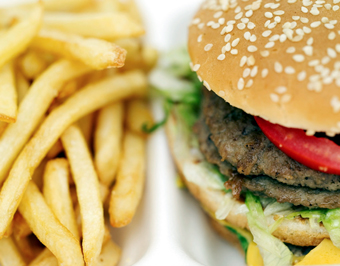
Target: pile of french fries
x,y
73,102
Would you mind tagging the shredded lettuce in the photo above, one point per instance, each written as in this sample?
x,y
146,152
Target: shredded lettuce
x,y
226,205
273,251
243,240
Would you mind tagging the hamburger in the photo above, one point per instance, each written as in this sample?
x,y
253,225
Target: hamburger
x,y
258,146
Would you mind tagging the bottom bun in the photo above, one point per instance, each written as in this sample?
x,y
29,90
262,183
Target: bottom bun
x,y
294,231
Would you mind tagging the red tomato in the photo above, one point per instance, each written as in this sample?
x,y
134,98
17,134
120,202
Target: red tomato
x,y
320,154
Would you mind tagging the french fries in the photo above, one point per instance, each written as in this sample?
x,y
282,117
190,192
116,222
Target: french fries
x,y
48,229
60,156
8,94
83,102
57,194
97,25
87,185
96,53
33,108
127,191
16,39
107,141
9,254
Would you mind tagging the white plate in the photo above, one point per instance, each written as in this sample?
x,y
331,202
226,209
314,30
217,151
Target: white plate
x,y
170,227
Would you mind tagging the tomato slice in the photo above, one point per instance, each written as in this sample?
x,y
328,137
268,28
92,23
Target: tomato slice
x,y
320,154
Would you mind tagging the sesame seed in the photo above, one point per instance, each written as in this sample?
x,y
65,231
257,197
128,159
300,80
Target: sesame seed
x,y
293,25
246,72
266,24
272,25
199,78
298,58
245,20
229,28
277,19
313,63
264,53
277,67
241,26
239,15
243,61
335,103
264,73
283,37
297,38
327,80
200,26
247,35
286,98
253,38
290,50
291,1
196,67
306,30
221,93
315,24
227,47
196,21
199,39
240,84
314,11
308,50
269,45
208,47
227,38
253,72
274,6
231,22
249,83
266,33
234,51
310,132
310,41
328,6
329,26
268,14
221,57
279,12
290,70
296,17
304,20
250,25
337,47
215,26
281,89
221,20
252,48
334,21
251,61
274,38
255,5
331,53
238,9
302,75
325,20
336,2
274,97
218,14
304,9
206,84
335,8
299,32
249,13
235,42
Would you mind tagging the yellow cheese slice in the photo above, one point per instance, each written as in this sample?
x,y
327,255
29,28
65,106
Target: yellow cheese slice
x,y
253,255
324,253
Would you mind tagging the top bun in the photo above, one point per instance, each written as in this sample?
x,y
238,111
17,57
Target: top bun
x,y
279,60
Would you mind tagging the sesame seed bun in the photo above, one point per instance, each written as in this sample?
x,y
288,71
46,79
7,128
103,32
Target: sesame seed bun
x,y
295,231
276,60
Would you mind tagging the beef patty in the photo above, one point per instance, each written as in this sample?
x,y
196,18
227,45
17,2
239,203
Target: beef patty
x,y
240,141
264,186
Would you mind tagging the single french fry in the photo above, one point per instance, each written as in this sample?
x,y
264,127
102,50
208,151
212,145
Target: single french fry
x,y
88,193
86,124
8,94
110,254
20,226
22,86
138,115
32,109
145,59
85,101
9,253
96,25
107,141
65,5
104,192
48,229
96,53
17,38
38,174
128,189
57,194
32,64
45,258
9,230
